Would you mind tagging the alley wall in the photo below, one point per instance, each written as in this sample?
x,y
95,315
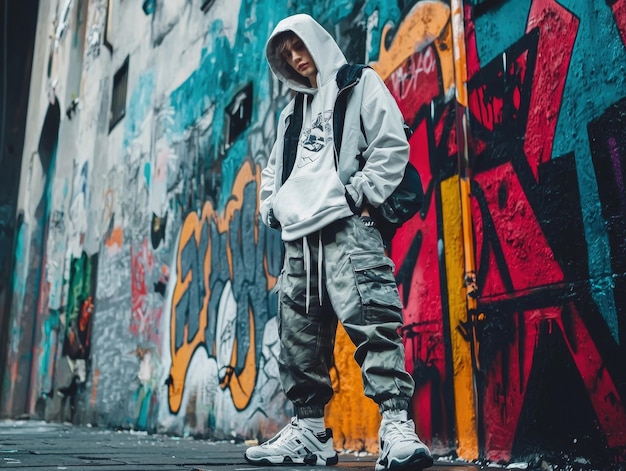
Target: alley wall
x,y
142,293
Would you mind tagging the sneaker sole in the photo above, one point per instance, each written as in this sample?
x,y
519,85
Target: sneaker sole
x,y
414,463
312,460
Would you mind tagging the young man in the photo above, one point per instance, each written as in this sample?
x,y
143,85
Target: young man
x,y
335,267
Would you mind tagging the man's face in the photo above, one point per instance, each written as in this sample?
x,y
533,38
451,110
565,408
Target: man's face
x,y
297,56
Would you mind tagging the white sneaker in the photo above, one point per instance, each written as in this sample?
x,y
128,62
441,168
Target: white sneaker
x,y
400,447
297,445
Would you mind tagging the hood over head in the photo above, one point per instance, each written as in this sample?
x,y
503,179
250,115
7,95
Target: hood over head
x,y
324,51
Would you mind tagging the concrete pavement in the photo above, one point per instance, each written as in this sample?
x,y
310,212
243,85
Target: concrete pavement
x,y
39,446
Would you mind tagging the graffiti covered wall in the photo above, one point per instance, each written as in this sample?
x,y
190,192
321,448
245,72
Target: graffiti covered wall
x,y
143,289
548,146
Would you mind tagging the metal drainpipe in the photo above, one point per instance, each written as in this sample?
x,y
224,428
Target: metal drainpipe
x,y
468,439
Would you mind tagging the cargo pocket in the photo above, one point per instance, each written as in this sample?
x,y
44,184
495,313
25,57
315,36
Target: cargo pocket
x,y
375,281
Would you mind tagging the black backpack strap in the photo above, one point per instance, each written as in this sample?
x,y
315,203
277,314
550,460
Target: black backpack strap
x,y
347,76
292,135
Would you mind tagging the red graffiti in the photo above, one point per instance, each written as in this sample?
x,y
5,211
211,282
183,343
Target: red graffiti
x,y
514,103
416,82
527,251
142,316
527,266
558,29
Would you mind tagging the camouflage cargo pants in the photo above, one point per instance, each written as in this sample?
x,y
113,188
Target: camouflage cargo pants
x,y
357,288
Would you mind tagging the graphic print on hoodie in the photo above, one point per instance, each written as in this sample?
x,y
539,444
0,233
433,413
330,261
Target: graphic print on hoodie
x,y
314,138
313,196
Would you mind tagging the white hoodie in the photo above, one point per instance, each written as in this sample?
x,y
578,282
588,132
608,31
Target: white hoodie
x,y
314,194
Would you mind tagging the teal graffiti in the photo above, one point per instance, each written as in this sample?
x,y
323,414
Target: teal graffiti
x,y
21,266
147,173
48,356
139,105
597,51
79,310
143,399
223,69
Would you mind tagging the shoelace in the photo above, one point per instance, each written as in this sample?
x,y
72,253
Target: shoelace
x,y
399,431
284,435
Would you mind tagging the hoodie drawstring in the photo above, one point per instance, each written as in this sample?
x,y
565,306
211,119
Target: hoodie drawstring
x,y
306,250
320,288
307,270
305,241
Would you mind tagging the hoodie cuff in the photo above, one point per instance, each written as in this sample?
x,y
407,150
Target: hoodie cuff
x,y
271,220
354,200
352,204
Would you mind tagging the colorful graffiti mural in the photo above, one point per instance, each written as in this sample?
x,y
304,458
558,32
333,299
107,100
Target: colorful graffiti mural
x,y
221,297
144,280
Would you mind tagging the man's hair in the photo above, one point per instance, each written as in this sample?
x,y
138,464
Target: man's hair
x,y
283,41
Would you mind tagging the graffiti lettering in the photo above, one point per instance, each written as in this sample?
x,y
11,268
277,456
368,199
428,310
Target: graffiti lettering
x,y
220,300
416,82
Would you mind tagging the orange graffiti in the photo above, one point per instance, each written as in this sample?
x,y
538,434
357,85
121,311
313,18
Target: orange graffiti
x,y
242,386
116,238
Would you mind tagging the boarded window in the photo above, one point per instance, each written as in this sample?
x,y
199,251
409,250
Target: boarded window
x,y
483,6
238,115
118,99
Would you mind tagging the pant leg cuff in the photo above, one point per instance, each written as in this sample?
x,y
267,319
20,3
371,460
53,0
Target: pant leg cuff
x,y
395,403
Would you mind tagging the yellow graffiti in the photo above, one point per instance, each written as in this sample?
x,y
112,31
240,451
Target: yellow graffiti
x,y
353,417
428,22
240,385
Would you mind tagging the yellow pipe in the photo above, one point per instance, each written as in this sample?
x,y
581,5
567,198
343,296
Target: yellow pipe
x,y
463,376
